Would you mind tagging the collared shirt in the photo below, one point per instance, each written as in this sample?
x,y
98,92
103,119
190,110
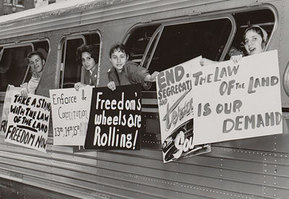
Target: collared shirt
x,y
33,84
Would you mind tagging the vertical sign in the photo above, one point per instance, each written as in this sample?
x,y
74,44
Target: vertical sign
x,y
115,118
238,100
28,121
175,102
70,114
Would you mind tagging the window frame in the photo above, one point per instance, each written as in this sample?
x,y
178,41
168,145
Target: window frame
x,y
61,66
13,45
62,50
23,43
185,20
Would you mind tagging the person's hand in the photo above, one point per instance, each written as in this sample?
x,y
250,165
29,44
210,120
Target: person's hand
x,y
111,85
154,76
205,61
236,58
78,85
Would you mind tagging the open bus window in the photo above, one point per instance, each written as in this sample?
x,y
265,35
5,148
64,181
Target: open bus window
x,y
14,68
138,41
71,70
184,41
13,65
178,42
261,17
181,41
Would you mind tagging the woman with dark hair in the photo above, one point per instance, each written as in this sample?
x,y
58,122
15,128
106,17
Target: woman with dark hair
x,y
87,55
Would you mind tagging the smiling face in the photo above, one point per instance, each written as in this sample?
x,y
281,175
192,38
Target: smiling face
x,y
118,59
253,42
87,61
36,64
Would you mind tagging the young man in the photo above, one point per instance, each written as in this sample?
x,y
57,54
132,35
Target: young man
x,y
126,72
36,63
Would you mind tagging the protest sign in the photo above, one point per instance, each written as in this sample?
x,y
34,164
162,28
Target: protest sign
x,y
6,106
70,113
238,100
175,102
115,118
28,121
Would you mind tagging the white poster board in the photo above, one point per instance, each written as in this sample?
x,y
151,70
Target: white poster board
x,y
70,114
28,121
175,102
238,100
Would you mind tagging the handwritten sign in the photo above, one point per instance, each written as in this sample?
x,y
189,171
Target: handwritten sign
x,y
6,106
238,100
28,121
175,102
70,114
115,118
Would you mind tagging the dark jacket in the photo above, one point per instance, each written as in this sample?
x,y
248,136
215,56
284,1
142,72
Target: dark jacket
x,y
132,73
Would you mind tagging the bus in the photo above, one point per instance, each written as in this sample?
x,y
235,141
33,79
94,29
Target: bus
x,y
159,34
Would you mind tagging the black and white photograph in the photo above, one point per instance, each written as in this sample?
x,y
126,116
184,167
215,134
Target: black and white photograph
x,y
144,99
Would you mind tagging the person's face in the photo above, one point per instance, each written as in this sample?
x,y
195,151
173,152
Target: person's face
x,y
118,59
253,42
88,62
36,63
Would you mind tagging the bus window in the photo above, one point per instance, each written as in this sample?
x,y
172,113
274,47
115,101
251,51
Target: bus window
x,y
184,41
262,17
13,65
71,70
14,68
138,41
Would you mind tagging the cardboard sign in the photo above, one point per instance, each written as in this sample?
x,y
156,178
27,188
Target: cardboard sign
x,y
238,100
28,121
70,114
115,118
175,102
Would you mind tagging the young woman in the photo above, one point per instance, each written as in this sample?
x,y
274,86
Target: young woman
x,y
255,40
88,56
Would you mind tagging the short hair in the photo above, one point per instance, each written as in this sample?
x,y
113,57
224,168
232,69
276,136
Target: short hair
x,y
35,53
120,47
91,49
